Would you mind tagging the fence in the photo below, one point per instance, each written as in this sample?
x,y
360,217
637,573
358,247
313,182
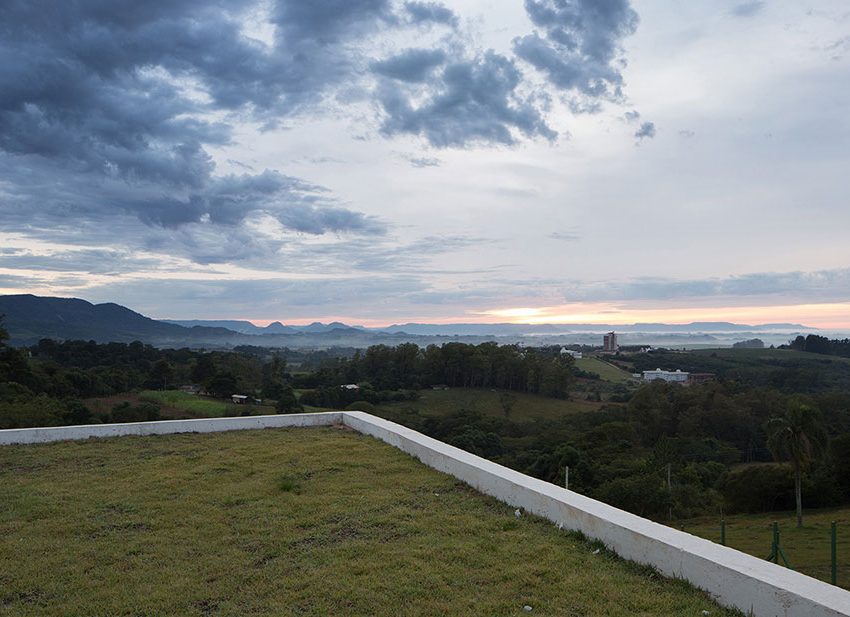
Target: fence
x,y
821,548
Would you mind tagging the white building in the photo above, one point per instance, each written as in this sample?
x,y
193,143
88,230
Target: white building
x,y
576,355
677,376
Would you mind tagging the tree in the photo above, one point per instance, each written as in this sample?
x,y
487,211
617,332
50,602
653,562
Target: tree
x,y
274,378
223,385
839,449
162,372
4,334
799,437
204,369
287,402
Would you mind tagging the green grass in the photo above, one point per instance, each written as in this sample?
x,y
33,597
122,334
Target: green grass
x,y
807,549
204,524
198,406
608,372
486,401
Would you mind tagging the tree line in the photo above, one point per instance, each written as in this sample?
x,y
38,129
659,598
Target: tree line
x,y
814,343
508,367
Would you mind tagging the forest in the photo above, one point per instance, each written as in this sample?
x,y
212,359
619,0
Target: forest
x,y
658,450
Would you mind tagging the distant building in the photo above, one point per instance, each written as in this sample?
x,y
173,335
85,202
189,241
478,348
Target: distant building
x,y
350,386
609,343
239,399
677,376
698,378
576,355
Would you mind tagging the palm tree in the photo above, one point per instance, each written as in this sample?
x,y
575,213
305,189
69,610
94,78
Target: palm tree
x,y
798,437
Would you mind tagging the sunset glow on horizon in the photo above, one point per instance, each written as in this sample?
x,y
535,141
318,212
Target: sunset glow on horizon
x,y
832,316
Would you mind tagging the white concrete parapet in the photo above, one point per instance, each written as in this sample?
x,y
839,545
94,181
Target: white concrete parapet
x,y
166,427
733,578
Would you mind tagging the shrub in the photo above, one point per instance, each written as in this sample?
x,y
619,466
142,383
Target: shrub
x,y
644,494
144,412
759,488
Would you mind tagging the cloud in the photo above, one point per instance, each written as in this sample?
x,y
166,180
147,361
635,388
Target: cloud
x,y
430,12
579,49
631,116
748,9
838,47
565,236
423,161
112,115
469,101
15,281
115,104
645,131
94,261
413,65
818,286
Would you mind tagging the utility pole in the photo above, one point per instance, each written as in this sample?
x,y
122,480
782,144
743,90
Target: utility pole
x,y
670,490
567,478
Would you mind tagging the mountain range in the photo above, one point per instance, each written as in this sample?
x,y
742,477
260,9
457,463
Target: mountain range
x,y
29,318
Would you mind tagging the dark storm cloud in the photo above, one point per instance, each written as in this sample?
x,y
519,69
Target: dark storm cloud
x,y
472,101
92,97
430,12
579,48
413,65
108,109
476,98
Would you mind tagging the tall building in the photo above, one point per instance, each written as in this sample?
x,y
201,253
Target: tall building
x,y
609,343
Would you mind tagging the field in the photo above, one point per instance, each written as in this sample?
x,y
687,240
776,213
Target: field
x,y
526,406
608,372
807,549
175,404
288,522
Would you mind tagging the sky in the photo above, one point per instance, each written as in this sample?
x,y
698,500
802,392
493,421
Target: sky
x,y
380,161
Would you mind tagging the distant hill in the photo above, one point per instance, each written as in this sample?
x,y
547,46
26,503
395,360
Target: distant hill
x,y
317,327
246,327
29,318
512,329
243,327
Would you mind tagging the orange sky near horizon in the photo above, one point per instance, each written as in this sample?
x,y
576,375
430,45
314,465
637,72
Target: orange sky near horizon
x,y
826,316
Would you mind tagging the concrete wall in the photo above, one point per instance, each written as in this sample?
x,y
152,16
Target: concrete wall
x,y
166,427
733,578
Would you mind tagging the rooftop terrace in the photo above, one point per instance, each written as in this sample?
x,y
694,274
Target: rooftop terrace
x,y
317,521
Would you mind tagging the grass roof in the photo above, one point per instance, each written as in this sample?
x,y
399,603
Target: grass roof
x,y
288,522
